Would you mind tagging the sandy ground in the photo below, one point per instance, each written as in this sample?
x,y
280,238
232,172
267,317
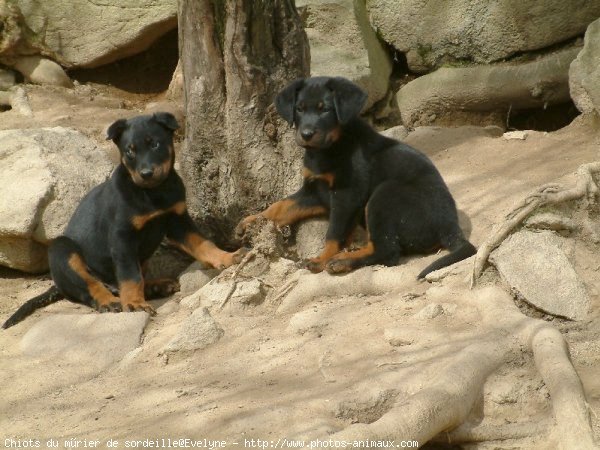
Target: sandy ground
x,y
312,371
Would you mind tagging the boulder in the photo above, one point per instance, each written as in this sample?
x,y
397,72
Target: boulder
x,y
83,33
97,340
39,70
342,43
484,89
43,175
436,32
584,74
176,87
535,267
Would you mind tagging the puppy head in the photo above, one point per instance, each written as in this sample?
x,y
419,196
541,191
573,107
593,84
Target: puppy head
x,y
146,146
319,107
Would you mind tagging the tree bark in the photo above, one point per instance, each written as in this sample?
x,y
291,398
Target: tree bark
x,y
238,156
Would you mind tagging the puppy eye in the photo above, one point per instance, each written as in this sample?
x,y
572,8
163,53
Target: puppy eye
x,y
130,151
299,108
155,145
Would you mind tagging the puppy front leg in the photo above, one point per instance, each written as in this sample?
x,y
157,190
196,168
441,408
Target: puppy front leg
x,y
183,233
129,274
343,217
301,205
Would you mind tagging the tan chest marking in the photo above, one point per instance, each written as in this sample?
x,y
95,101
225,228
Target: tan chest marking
x,y
328,177
139,221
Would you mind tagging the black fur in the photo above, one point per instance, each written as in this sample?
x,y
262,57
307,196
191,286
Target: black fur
x,y
119,224
357,176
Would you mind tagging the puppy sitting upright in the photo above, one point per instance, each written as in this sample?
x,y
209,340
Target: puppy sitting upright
x,y
355,175
119,224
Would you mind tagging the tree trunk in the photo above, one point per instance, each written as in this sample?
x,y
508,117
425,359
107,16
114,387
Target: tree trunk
x,y
238,155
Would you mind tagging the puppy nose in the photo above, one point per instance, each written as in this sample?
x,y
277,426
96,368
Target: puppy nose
x,y
146,173
307,134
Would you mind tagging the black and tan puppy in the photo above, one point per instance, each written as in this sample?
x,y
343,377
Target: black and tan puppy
x,y
119,224
357,176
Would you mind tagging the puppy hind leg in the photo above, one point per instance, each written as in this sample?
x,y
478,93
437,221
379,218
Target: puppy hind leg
x,y
74,280
382,246
368,255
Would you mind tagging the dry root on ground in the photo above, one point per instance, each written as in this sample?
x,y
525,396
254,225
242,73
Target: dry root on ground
x,y
439,410
548,194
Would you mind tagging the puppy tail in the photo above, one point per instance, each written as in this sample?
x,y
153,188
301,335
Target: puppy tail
x,y
461,249
50,296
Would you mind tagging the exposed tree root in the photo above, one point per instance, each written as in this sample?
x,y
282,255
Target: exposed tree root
x,y
305,286
571,411
446,402
492,432
548,194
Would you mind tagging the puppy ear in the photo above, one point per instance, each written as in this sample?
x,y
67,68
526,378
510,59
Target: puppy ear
x,y
285,102
166,119
348,98
115,131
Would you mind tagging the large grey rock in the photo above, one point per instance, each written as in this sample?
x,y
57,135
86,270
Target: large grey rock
x,y
584,74
43,175
198,331
97,340
434,32
534,266
342,43
39,70
88,33
483,89
176,86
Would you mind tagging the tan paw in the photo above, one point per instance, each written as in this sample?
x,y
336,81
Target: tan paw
x,y
315,265
143,306
339,266
240,229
